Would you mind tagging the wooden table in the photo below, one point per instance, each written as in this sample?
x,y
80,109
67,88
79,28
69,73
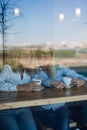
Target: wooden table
x,y
47,96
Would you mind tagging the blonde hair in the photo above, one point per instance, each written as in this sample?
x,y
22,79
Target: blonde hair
x,y
46,64
45,53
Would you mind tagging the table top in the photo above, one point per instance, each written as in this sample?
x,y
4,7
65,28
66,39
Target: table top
x,y
10,100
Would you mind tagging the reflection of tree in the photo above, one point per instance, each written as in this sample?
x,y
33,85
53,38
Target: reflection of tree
x,y
6,17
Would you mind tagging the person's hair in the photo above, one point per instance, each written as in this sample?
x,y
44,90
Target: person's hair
x,y
48,68
20,67
28,70
44,53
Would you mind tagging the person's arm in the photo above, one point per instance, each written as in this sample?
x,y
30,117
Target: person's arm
x,y
57,84
45,80
26,87
4,76
72,73
78,80
4,86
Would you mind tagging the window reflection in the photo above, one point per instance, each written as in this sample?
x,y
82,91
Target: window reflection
x,y
49,24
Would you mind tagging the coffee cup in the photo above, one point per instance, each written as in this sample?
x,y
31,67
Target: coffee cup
x,y
67,81
37,81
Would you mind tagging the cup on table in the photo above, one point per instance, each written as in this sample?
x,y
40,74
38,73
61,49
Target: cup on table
x,y
67,81
37,81
38,87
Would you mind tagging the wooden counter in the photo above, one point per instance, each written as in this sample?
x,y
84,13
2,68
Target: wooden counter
x,y
47,96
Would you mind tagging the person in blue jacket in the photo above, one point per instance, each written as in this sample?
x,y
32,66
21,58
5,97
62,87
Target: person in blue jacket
x,y
55,116
21,118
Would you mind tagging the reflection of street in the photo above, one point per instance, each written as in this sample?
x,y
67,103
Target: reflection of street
x,y
72,61
58,61
33,62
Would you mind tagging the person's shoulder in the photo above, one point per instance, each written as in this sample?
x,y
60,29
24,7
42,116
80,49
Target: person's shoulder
x,y
60,66
6,67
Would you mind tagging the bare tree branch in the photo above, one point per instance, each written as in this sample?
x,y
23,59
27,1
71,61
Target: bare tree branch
x,y
6,18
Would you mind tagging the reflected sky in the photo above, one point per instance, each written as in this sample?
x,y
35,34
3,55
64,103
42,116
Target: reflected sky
x,y
40,22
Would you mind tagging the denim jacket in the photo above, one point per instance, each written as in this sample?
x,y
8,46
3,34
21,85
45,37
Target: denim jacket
x,y
9,79
59,72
